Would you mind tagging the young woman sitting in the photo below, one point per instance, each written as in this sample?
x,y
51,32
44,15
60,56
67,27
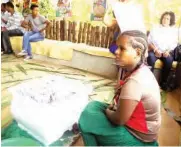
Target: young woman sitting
x,y
134,117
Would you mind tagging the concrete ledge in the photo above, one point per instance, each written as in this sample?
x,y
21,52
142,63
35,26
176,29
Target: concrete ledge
x,y
98,65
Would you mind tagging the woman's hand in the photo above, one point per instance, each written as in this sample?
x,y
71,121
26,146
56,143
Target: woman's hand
x,y
166,54
112,107
108,112
158,53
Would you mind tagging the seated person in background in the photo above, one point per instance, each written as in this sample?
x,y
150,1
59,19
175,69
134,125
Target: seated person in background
x,y
134,118
4,15
38,24
12,28
162,41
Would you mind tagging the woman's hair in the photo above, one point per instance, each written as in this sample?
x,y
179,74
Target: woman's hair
x,y
138,40
10,4
33,6
172,17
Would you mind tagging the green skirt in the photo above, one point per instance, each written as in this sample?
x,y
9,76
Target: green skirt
x,y
97,130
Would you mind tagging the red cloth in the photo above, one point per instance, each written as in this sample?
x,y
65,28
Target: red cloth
x,y
138,119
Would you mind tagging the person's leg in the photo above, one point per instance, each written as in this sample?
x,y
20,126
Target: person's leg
x,y
167,65
151,59
89,122
89,139
26,40
97,130
34,38
6,40
2,46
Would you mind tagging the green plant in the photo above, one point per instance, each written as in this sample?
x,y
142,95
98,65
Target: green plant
x,y
46,9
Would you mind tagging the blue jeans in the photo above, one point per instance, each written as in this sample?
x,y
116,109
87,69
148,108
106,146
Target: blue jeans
x,y
167,64
31,37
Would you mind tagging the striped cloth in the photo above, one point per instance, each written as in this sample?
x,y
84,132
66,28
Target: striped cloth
x,y
14,22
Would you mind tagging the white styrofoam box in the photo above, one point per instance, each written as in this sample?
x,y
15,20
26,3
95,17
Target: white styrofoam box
x,y
49,106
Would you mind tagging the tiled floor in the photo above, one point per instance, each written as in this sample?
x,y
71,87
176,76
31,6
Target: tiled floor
x,y
170,131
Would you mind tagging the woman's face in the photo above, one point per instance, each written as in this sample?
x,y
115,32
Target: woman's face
x,y
166,20
126,55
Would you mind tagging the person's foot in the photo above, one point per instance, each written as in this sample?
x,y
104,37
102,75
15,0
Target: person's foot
x,y
8,52
28,58
22,53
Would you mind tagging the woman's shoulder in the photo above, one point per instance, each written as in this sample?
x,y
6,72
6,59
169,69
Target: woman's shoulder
x,y
143,75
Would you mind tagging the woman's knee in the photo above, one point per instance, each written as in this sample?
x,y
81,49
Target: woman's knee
x,y
27,34
151,59
168,62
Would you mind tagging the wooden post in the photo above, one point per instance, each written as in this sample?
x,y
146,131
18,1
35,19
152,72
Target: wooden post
x,y
88,34
73,32
84,33
62,30
66,29
80,32
97,36
51,30
111,34
107,37
92,36
103,36
57,30
69,30
54,29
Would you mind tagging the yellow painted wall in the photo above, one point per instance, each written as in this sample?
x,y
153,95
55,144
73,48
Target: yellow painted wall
x,y
81,10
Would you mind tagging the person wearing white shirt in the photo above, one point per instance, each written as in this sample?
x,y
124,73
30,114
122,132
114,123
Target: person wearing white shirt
x,y
124,13
12,28
162,42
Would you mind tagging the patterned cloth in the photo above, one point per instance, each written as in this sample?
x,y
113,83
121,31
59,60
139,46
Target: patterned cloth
x,y
14,22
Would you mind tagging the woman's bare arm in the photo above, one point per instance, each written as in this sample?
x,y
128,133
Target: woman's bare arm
x,y
123,112
151,47
129,98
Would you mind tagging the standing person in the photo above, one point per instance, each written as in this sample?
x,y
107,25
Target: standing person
x,y
12,28
123,14
162,41
38,25
134,118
